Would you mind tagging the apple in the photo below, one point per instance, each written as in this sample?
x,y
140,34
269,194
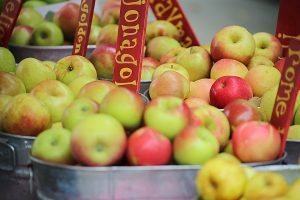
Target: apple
x,y
234,42
25,115
229,88
7,60
53,145
201,89
167,114
147,73
33,4
55,95
79,109
171,55
124,105
194,145
279,64
267,45
169,83
215,121
98,140
79,82
70,67
150,62
96,90
110,12
266,185
108,35
29,17
222,177
103,58
293,133
240,111
296,119
228,67
50,64
259,60
196,61
147,146
262,78
10,84
161,28
32,71
4,100
293,191
94,32
250,135
21,35
170,66
67,19
194,102
47,34
160,45
228,148
206,47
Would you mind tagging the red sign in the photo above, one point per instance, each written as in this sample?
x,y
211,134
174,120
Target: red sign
x,y
172,11
130,43
287,92
8,18
288,25
82,33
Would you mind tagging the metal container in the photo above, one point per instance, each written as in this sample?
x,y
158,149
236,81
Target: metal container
x,y
176,182
293,150
15,169
53,53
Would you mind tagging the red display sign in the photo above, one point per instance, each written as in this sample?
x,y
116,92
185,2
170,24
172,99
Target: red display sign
x,y
82,33
288,25
287,92
8,18
130,43
172,11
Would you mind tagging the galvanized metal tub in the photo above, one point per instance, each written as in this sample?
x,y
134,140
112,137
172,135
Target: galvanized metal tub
x,y
118,182
53,53
15,167
293,150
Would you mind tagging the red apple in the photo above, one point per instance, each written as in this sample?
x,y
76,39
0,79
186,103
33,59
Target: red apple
x,y
256,142
240,111
227,89
147,146
103,58
233,42
280,64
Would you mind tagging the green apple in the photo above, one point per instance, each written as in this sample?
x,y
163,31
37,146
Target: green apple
x,y
161,28
55,95
108,35
266,185
70,67
268,77
34,3
79,109
29,17
21,35
196,61
170,66
50,64
171,55
53,145
96,90
47,34
293,192
195,145
98,140
124,105
25,115
147,73
228,148
54,1
259,60
167,114
10,84
296,120
160,45
95,31
7,60
32,71
79,82
221,178
294,132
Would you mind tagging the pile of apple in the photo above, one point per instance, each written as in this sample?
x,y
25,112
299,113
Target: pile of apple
x,y
38,3
223,177
58,29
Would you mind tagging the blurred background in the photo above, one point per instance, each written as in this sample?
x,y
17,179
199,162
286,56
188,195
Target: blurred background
x,y
208,16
